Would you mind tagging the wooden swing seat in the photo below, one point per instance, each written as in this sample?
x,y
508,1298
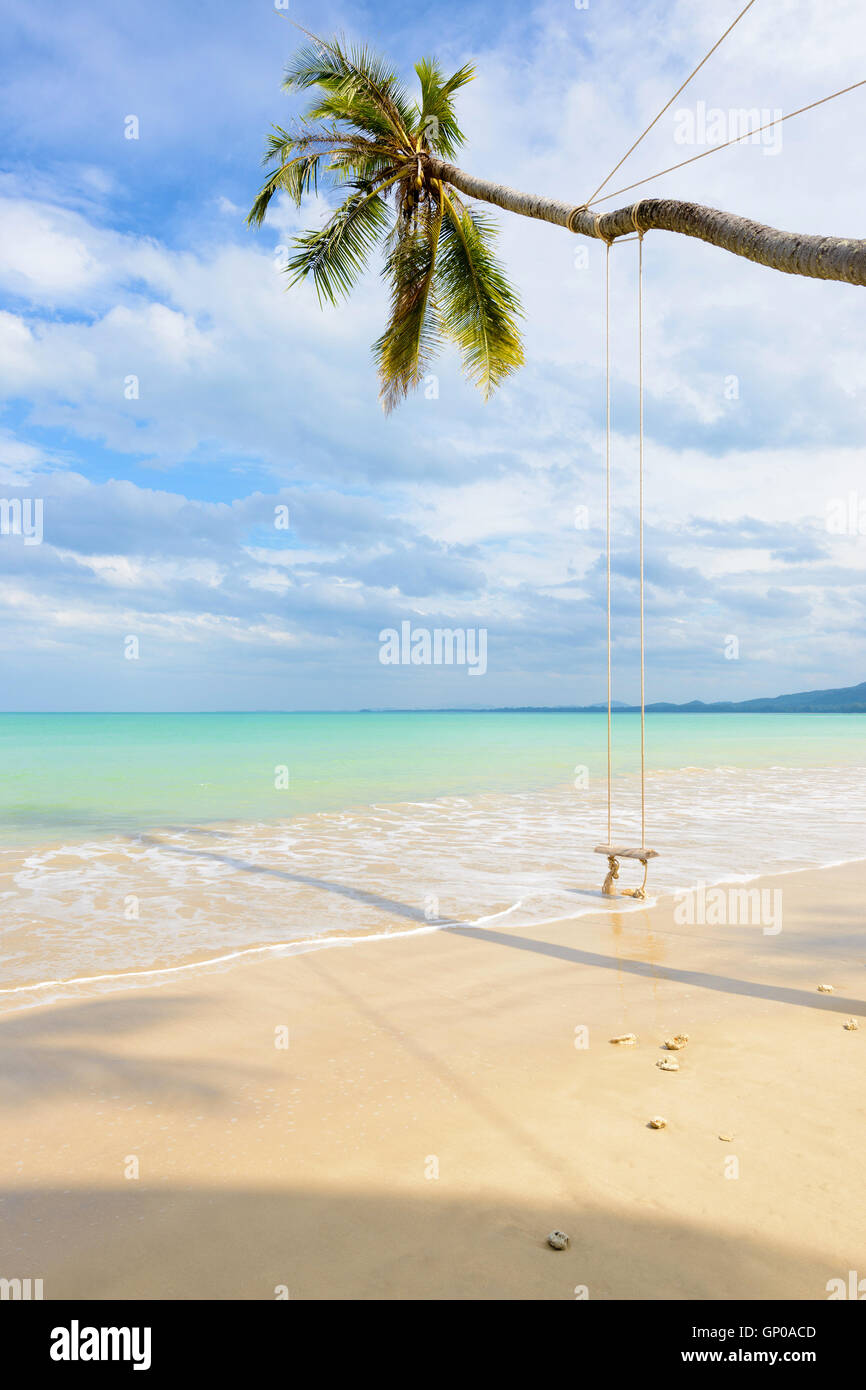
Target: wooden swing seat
x,y
613,854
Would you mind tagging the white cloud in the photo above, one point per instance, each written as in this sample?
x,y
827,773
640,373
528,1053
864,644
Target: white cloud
x,y
234,373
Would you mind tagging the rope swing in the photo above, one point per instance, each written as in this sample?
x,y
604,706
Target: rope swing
x,y
616,852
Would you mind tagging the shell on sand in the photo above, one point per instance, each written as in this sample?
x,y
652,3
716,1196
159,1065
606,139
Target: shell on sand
x,y
826,989
626,1040
851,1025
726,1138
667,1064
657,1122
678,1041
557,1240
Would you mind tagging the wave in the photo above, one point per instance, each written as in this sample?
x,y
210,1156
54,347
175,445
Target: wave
x,y
131,909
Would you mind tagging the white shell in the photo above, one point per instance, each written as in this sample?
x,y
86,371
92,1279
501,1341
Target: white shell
x,y
678,1041
826,989
851,1025
626,1040
557,1240
657,1122
667,1064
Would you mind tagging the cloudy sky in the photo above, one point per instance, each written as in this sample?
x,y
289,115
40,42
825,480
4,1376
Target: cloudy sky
x,y
124,258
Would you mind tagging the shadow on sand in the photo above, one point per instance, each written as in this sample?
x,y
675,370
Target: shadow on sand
x,y
228,1243
40,1052
701,979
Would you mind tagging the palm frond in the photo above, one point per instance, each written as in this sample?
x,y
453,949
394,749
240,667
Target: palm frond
x,y
296,178
280,143
300,153
337,253
478,307
357,112
350,70
413,334
435,118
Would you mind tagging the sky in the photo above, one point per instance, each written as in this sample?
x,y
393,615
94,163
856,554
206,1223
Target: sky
x,y
163,395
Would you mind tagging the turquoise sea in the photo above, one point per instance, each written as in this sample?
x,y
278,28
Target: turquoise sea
x,y
133,846
91,774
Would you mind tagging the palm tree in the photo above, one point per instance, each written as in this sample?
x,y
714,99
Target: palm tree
x,y
444,278
393,157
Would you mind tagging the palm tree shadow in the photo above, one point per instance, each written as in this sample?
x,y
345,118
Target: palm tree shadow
x,y
37,1060
721,983
361,895
725,984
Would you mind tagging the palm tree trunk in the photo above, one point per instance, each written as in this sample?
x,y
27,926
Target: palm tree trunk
x,y
822,257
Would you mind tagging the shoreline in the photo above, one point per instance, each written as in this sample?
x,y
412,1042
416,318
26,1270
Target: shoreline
x,y
433,1116
68,989
125,910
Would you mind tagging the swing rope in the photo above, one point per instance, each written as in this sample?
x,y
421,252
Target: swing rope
x,y
639,232
607,479
643,853
640,533
607,509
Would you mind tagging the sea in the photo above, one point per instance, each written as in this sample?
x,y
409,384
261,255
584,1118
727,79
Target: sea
x,y
135,848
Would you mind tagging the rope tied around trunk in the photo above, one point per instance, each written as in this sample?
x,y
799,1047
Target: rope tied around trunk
x,y
596,219
634,213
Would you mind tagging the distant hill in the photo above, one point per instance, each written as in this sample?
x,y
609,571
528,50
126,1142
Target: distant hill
x,y
851,700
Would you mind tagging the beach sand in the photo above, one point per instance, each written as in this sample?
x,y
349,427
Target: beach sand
x,y
313,1168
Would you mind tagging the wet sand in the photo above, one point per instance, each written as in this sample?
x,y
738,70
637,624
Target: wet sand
x,y
432,1117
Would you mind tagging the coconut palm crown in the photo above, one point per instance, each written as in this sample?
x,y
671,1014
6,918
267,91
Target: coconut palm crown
x,y
369,139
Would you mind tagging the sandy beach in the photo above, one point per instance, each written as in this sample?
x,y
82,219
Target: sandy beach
x,y
444,1102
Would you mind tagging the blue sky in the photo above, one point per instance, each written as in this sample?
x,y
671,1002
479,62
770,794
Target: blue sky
x,y
124,258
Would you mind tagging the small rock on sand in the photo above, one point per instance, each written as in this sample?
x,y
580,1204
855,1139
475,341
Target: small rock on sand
x,y
626,1040
658,1122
